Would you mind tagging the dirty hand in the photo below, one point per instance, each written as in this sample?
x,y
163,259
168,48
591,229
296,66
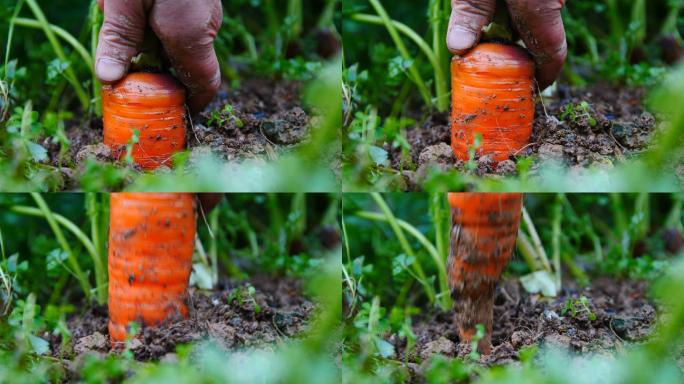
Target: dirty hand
x,y
186,29
538,22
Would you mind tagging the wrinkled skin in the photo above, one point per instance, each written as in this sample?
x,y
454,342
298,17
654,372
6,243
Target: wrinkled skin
x,y
187,30
538,22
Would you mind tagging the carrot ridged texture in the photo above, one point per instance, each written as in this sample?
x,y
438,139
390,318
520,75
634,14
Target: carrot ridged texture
x,y
492,95
483,234
153,104
151,241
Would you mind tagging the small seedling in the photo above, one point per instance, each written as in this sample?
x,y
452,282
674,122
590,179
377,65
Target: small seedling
x,y
577,306
574,112
472,150
479,334
226,115
242,296
135,139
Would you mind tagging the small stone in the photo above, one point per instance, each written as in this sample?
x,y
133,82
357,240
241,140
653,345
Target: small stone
x,y
96,341
552,152
519,338
506,167
441,154
441,346
99,152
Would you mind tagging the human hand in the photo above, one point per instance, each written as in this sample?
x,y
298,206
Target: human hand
x,y
538,22
186,29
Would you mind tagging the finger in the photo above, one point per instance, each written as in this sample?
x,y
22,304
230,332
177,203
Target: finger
x,y
191,49
466,22
120,38
541,28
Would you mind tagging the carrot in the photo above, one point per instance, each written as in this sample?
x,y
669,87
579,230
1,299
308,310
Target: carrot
x,y
154,105
484,229
151,239
491,94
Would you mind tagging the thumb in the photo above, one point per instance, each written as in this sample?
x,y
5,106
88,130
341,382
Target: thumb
x,y
466,22
120,38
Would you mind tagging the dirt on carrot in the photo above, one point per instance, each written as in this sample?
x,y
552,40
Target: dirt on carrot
x,y
623,315
227,315
615,127
260,119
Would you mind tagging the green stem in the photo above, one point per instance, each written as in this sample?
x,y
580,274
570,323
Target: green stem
x,y
94,34
536,241
413,70
10,33
528,252
440,76
556,236
80,276
68,72
66,36
100,274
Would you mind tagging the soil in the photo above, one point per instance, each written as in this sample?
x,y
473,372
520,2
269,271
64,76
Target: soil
x,y
278,311
623,315
260,119
614,127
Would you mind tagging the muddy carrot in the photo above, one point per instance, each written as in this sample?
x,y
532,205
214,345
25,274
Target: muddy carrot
x,y
484,229
151,237
153,104
491,94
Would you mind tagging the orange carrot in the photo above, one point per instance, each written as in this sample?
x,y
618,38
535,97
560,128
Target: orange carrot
x,y
491,94
151,239
484,229
154,105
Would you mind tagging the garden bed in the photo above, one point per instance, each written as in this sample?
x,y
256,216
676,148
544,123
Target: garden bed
x,y
621,314
229,315
261,119
607,125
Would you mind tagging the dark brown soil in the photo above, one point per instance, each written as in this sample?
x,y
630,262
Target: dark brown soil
x,y
615,126
228,316
623,315
263,120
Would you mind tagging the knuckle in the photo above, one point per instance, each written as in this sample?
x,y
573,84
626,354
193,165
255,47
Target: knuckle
x,y
119,32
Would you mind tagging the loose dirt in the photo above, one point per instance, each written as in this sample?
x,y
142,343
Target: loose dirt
x,y
260,119
622,315
229,316
613,127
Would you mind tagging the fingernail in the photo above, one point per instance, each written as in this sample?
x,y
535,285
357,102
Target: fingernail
x,y
460,39
109,70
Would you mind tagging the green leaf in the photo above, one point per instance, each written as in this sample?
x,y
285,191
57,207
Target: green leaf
x,y
401,262
379,155
38,153
540,282
55,258
385,349
39,345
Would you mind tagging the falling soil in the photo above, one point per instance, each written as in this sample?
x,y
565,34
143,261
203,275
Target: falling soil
x,y
229,316
611,127
260,119
622,315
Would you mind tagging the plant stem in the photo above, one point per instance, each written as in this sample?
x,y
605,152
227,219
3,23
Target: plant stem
x,y
94,34
80,276
100,273
536,241
527,251
440,77
66,36
413,70
68,72
555,237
